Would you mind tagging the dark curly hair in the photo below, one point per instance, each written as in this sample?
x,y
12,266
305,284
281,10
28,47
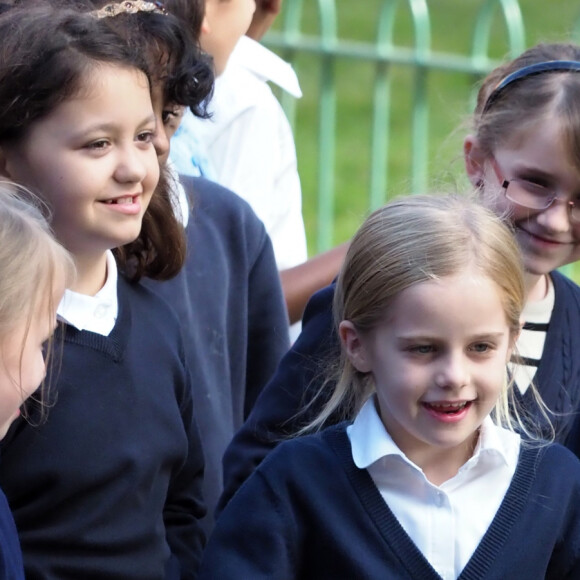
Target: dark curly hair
x,y
45,52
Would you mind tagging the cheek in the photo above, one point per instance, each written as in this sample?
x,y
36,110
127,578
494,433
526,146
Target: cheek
x,y
494,380
519,214
153,171
576,232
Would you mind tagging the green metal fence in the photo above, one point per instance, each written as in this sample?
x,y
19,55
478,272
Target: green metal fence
x,y
385,54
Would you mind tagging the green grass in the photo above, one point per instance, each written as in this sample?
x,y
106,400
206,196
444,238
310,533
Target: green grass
x,y
452,25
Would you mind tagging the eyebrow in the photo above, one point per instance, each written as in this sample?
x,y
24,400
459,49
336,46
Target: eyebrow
x,y
108,126
427,337
533,170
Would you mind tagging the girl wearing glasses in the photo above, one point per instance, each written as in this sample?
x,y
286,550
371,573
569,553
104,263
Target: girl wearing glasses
x,y
523,156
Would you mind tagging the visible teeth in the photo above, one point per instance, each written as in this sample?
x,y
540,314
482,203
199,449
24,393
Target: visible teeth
x,y
120,200
448,405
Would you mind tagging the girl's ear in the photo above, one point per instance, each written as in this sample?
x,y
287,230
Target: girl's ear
x,y
354,347
474,160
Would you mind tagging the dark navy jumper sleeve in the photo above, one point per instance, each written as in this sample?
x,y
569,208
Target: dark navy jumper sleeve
x,y
229,300
276,413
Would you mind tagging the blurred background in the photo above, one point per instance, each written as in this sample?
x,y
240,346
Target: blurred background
x,y
408,68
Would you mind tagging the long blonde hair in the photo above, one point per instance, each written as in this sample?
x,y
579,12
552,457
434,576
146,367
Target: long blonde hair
x,y
30,260
413,240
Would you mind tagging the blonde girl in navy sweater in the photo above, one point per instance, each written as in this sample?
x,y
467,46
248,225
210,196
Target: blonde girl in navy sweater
x,y
430,480
523,156
109,486
34,269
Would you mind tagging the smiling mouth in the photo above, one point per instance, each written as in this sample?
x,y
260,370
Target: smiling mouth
x,y
448,408
543,239
127,200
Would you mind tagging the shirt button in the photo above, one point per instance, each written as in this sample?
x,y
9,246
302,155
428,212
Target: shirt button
x,y
440,499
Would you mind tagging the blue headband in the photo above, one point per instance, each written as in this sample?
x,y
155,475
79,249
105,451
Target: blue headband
x,y
528,71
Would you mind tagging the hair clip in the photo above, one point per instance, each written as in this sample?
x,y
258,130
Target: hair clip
x,y
530,70
129,7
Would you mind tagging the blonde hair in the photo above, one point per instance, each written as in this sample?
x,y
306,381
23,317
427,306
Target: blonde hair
x,y
30,260
413,240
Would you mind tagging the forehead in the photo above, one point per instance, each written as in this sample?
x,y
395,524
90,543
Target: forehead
x,y
547,144
108,91
461,303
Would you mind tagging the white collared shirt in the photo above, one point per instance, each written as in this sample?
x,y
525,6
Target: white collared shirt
x,y
178,198
266,65
96,313
250,146
445,522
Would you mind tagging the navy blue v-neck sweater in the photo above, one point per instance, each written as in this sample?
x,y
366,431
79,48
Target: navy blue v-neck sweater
x,y
110,485
229,300
308,513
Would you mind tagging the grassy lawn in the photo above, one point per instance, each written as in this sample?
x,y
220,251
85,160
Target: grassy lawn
x,y
450,94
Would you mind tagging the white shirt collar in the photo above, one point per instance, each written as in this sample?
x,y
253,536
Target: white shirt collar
x,y
265,64
96,313
370,441
178,195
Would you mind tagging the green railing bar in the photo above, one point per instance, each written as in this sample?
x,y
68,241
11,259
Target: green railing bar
x,y
483,27
291,35
368,52
327,126
381,110
381,100
420,129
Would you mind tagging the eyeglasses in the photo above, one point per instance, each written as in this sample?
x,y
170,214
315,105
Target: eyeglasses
x,y
533,195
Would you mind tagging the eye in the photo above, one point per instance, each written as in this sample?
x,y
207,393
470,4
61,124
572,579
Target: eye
x,y
168,115
98,144
172,114
421,349
533,187
481,347
145,137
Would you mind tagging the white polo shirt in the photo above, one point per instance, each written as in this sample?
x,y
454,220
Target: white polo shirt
x,y
249,145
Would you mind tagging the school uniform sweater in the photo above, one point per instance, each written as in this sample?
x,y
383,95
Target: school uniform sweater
x,y
309,513
109,487
11,567
300,374
229,300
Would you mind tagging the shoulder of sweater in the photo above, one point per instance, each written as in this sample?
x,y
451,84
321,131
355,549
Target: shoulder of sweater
x,y
138,296
566,312
212,201
297,454
553,462
564,286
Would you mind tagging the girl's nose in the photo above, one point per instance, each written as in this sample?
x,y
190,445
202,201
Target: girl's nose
x,y
452,372
132,166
